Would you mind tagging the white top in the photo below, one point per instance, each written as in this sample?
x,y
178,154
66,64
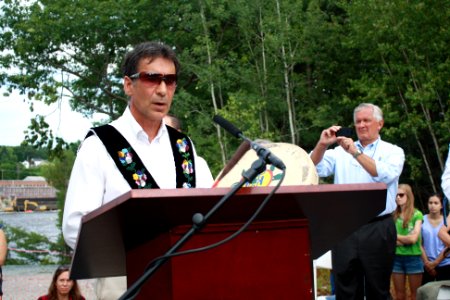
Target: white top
x,y
446,177
389,160
96,180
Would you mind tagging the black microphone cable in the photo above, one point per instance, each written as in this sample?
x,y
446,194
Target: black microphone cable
x,y
264,155
229,238
198,218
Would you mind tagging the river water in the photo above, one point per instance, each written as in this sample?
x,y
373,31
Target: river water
x,y
41,222
32,280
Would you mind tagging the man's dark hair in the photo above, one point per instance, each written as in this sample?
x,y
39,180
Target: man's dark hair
x,y
149,50
175,122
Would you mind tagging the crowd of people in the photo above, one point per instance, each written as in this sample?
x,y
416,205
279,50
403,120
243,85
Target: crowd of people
x,y
421,255
390,247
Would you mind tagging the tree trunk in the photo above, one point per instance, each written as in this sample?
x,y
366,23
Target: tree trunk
x,y
419,144
211,82
286,80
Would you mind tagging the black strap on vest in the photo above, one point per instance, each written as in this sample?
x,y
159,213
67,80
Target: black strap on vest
x,y
183,154
132,167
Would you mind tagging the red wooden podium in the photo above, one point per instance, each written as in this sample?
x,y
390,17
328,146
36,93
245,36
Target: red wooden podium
x,y
270,260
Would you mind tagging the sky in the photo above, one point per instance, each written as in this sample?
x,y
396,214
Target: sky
x,y
15,118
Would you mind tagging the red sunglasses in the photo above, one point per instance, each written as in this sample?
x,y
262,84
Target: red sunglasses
x,y
155,78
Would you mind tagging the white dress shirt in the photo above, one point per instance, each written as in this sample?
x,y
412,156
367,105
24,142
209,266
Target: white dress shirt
x,y
446,176
389,160
96,180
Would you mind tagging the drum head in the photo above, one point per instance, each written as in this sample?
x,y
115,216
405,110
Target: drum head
x,y
300,169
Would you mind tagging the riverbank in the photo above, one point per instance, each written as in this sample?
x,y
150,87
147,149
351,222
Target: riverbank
x,y
30,282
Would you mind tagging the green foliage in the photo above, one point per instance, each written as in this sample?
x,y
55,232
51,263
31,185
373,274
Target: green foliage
x,y
281,69
57,174
40,136
404,51
11,159
8,162
33,248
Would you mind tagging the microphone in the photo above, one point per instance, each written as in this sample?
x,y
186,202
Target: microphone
x,y
262,152
225,124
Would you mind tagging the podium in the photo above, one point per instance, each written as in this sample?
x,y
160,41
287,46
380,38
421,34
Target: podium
x,y
272,259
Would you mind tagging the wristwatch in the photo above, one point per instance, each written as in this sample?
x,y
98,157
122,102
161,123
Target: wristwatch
x,y
357,153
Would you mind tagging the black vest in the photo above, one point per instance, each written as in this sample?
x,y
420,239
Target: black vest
x,y
131,166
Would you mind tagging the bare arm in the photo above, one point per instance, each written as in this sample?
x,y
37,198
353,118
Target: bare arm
x,y
428,265
440,257
444,235
3,247
412,237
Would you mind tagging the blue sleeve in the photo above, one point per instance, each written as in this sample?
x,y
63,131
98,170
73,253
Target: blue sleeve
x,y
390,164
326,167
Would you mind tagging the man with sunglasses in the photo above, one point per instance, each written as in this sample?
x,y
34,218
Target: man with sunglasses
x,y
362,263
135,151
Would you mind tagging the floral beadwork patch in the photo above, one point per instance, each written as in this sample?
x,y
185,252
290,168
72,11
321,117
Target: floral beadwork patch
x,y
139,176
187,166
126,157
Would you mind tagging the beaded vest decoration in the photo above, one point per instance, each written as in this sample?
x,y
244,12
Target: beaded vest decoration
x,y
131,166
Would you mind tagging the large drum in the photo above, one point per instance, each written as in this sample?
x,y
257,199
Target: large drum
x,y
300,169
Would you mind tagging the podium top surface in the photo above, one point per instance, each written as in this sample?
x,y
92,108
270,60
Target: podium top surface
x,y
333,212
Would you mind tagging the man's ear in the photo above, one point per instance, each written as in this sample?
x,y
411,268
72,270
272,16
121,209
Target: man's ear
x,y
380,124
128,86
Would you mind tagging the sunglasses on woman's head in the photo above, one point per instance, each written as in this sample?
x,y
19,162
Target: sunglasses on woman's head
x,y
155,78
400,195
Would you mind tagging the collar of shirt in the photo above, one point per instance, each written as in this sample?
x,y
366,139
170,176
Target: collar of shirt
x,y
156,155
369,149
136,129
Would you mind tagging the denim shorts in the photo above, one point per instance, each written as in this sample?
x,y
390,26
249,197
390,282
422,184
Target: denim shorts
x,y
408,264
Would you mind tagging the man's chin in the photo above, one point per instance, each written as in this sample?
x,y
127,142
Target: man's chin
x,y
158,115
364,140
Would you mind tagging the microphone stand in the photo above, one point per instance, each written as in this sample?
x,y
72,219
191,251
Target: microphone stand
x,y
199,221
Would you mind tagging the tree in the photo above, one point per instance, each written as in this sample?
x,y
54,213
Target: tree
x,y
12,158
80,59
8,163
403,46
281,69
57,175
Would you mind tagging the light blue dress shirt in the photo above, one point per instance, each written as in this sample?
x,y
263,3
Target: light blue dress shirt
x,y
389,160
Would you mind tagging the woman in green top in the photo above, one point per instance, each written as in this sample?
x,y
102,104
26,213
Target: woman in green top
x,y
408,262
